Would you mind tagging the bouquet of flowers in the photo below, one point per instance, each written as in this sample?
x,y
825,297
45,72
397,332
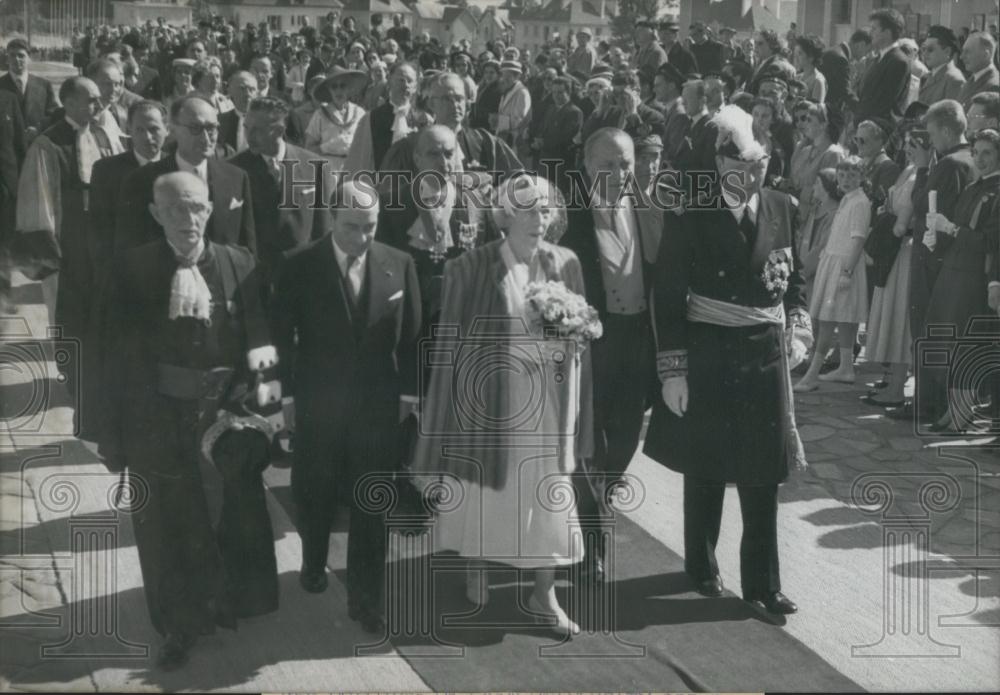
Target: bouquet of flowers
x,y
551,305
776,271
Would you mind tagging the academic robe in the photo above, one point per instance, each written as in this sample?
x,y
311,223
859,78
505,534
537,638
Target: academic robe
x,y
479,148
192,579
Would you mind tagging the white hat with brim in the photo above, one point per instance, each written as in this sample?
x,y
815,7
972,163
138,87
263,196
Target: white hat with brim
x,y
355,79
512,66
602,81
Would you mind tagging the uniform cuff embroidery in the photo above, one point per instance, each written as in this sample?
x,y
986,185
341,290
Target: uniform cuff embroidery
x,y
671,363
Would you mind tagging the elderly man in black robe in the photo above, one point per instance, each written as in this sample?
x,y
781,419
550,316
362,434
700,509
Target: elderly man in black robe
x,y
186,336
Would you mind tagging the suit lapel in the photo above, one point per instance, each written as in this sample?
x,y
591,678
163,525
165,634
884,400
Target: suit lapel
x,y
378,275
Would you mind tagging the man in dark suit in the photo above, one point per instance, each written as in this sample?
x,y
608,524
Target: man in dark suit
x,y
677,54
837,69
12,149
977,54
696,153
36,96
347,317
282,225
195,126
556,151
615,236
708,53
888,77
147,130
242,89
945,80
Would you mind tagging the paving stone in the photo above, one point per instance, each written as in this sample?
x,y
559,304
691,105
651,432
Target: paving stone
x,y
812,433
906,443
888,455
819,456
827,471
835,422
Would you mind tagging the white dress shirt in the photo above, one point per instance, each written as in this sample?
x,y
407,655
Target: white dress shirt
x,y
241,135
355,275
200,170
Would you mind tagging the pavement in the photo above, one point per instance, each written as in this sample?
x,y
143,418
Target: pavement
x,y
890,544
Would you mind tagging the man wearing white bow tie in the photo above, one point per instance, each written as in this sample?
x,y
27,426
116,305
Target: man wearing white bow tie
x,y
194,124
385,124
53,189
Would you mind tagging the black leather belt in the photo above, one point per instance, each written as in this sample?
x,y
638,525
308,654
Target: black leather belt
x,y
185,383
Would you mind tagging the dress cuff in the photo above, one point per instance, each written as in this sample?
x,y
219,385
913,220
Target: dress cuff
x,y
410,400
671,363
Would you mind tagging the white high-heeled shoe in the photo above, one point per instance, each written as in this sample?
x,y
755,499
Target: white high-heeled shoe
x,y
477,587
564,627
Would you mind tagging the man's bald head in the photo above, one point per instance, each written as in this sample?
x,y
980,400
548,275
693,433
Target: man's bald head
x,y
434,150
181,206
81,98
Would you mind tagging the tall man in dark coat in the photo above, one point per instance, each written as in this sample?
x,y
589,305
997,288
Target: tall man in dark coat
x,y
195,126
347,318
615,234
708,52
282,225
556,149
184,332
887,79
649,54
242,90
36,96
726,413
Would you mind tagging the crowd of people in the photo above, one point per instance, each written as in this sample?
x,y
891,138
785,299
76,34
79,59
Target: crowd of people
x,y
274,226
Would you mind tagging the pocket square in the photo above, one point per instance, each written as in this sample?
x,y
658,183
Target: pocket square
x,y
398,295
235,204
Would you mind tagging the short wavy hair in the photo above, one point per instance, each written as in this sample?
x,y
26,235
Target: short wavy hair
x,y
812,46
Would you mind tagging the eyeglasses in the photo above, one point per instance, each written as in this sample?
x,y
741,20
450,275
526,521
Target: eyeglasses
x,y
860,140
195,129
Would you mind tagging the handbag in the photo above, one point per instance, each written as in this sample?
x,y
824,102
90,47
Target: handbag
x,y
883,247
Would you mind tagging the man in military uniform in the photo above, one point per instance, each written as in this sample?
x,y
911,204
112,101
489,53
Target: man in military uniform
x,y
728,302
184,332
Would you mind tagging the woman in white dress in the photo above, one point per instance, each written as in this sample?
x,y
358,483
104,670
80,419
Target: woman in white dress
x,y
332,127
499,425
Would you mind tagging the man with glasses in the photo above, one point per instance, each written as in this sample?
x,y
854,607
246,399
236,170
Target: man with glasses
x,y
707,52
983,113
945,80
195,126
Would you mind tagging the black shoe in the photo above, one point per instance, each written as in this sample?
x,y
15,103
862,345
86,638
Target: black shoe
x,y
879,385
174,652
871,400
314,582
829,367
711,587
776,603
